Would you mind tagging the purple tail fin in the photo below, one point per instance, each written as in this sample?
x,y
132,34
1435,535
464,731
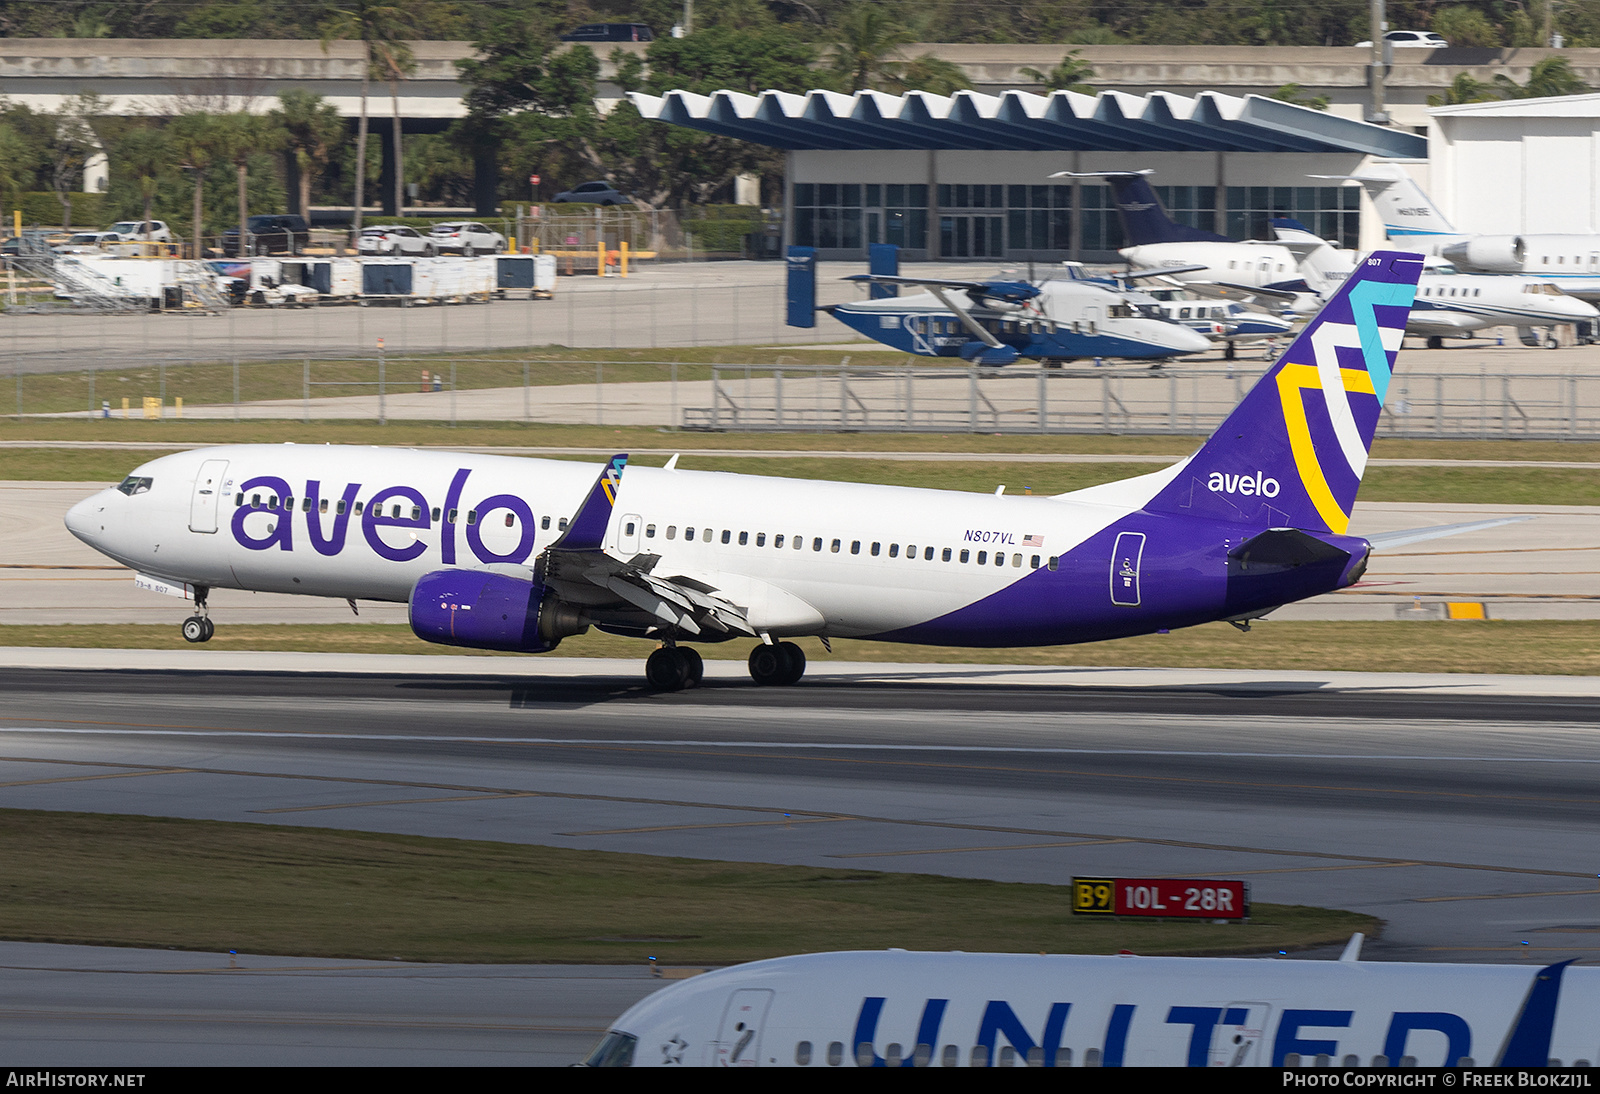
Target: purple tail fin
x,y
1292,453
587,530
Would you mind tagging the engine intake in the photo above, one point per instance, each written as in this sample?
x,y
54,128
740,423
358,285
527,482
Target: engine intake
x,y
489,611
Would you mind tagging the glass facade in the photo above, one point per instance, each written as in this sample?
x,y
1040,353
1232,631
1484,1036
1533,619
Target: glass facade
x,y
997,221
1332,212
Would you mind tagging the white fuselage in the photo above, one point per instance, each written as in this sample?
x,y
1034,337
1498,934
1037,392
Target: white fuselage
x,y
806,557
1258,265
897,1008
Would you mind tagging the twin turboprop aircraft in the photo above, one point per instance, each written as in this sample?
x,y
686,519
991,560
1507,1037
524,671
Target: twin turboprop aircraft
x,y
1054,321
483,550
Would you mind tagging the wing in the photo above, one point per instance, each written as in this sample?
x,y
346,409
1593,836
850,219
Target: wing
x,y
624,592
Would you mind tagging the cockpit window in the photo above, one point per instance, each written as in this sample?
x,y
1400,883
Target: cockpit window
x,y
614,1050
134,484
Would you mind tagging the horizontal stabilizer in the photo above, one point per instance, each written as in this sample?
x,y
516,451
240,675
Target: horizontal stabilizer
x,y
1385,541
1015,291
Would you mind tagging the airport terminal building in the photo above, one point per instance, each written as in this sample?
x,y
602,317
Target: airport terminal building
x,y
968,176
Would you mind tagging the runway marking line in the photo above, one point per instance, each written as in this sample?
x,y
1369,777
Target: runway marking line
x,y
388,801
1314,869
1045,833
786,822
996,847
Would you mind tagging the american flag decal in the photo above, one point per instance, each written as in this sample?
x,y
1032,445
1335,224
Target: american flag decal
x,y
1033,541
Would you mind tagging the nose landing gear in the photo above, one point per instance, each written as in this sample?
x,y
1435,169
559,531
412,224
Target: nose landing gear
x,y
198,627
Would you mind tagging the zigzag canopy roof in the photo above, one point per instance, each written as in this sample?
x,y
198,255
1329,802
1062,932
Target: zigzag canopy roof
x,y
1023,121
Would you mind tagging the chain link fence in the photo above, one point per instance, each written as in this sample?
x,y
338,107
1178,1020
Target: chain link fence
x,y
789,397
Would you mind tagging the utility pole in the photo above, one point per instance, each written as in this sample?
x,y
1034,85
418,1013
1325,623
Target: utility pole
x,y
1375,65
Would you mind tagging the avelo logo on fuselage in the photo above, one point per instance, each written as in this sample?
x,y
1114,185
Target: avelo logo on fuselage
x,y
1260,485
404,508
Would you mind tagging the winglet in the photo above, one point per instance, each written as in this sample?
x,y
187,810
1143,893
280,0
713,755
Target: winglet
x,y
587,529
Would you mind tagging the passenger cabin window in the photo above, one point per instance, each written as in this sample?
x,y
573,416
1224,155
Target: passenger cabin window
x,y
688,533
433,514
965,555
727,536
927,554
561,525
835,547
357,510
472,516
855,546
945,557
894,550
341,509
544,523
450,517
744,538
672,531
649,531
777,540
816,544
875,547
511,521
983,558
627,529
761,539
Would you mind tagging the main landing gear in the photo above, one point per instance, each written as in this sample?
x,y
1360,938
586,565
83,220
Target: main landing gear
x,y
779,664
198,627
673,668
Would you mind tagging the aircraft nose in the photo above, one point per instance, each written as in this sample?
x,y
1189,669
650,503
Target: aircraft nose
x,y
86,520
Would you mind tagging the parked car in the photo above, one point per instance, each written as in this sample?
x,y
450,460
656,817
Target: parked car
x,y
467,236
593,193
395,239
270,233
144,231
610,32
1409,39
82,243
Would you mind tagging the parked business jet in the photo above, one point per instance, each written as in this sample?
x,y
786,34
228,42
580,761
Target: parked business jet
x,y
1451,304
901,1009
1571,261
1056,320
502,553
1193,256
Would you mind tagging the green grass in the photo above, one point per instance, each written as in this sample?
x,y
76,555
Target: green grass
x,y
1555,647
214,886
1496,485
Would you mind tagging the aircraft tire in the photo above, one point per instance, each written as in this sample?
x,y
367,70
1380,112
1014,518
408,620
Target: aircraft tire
x,y
665,670
1435,342
211,628
794,660
194,629
694,666
769,665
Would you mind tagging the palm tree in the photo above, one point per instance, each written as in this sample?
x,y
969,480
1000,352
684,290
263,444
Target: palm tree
x,y
369,23
1072,74
1551,76
145,153
864,43
194,142
927,73
238,137
311,129
1465,89
395,62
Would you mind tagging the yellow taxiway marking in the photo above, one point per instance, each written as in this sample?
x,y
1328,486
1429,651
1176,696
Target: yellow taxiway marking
x,y
91,778
1505,896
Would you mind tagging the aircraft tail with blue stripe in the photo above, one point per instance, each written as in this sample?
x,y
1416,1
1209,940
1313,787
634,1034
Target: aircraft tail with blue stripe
x,y
1292,453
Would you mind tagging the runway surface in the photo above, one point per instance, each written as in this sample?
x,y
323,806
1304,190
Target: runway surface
x,y
1459,809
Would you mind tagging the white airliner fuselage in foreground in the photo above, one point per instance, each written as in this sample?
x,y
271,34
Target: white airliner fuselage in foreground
x,y
495,552
900,1009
